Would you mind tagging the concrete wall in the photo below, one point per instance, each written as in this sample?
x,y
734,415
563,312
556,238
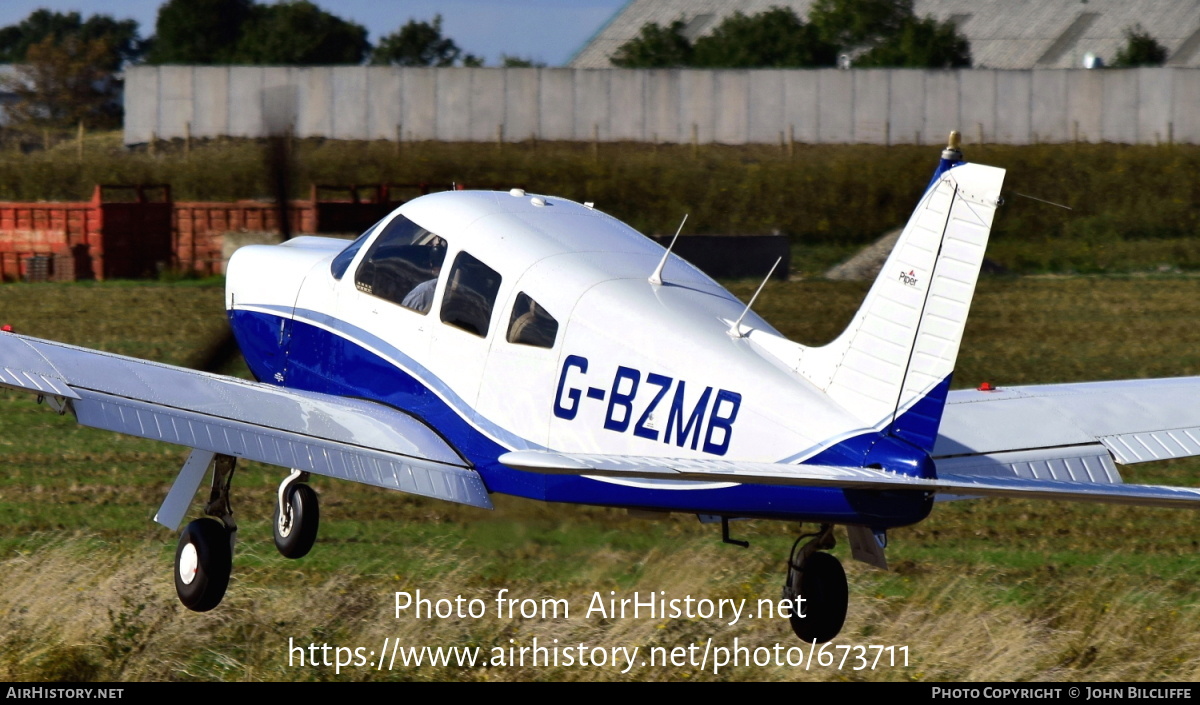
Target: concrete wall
x,y
874,106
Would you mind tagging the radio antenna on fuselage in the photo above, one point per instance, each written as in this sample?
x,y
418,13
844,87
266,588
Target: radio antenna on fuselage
x,y
656,277
735,330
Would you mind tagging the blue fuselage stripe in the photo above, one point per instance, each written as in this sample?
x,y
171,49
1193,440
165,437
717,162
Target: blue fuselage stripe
x,y
333,358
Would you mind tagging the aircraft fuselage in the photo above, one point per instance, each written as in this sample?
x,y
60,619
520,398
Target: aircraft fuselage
x,y
614,364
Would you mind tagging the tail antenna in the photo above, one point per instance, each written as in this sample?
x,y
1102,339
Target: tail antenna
x,y
656,277
735,330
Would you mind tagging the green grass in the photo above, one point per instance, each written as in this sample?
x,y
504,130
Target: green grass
x,y
1132,206
984,590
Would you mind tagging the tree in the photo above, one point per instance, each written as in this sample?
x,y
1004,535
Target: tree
x,y
517,62
853,24
66,67
920,43
878,32
1140,49
299,33
776,38
295,32
888,33
198,31
62,82
120,37
655,47
420,44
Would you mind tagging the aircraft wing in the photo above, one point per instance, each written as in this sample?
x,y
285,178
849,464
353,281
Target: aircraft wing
x,y
997,484
317,433
1049,442
1134,420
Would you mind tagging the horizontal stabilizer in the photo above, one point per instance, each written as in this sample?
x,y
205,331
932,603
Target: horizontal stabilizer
x,y
1135,420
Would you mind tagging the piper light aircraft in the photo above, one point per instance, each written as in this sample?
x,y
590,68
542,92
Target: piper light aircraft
x,y
473,343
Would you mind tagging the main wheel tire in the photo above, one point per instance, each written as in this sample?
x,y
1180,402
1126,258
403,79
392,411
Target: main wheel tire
x,y
295,539
203,562
822,584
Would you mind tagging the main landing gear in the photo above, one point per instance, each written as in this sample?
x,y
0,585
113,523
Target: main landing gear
x,y
204,555
815,586
818,579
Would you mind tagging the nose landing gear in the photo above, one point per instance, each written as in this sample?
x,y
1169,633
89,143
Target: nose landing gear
x,y
296,516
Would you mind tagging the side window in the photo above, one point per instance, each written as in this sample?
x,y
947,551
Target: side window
x,y
530,324
402,265
470,295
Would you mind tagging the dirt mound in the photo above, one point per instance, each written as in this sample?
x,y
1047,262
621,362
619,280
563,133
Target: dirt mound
x,y
865,265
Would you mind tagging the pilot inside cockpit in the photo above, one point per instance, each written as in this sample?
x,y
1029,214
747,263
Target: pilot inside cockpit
x,y
420,299
403,265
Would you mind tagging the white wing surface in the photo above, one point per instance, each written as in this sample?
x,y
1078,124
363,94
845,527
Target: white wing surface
x,y
327,435
996,485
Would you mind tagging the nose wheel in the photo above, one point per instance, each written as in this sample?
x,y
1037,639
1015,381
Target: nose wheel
x,y
819,580
297,515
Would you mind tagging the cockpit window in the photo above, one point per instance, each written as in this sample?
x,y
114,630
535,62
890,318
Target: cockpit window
x,y
342,262
403,265
470,295
531,324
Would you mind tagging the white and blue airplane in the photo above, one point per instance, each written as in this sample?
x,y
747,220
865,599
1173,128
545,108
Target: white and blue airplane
x,y
473,343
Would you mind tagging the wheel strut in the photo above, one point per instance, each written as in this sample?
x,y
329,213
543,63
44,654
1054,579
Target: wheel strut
x,y
822,539
219,503
297,515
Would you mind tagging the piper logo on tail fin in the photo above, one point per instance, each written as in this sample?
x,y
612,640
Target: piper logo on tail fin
x,y
909,279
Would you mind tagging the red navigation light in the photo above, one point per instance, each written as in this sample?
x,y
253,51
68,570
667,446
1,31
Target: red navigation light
x,y
6,328
987,387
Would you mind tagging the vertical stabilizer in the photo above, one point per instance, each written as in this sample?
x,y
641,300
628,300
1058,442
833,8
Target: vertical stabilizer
x,y
891,367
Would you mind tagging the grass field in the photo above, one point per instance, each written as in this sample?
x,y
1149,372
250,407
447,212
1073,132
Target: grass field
x,y
987,590
1131,206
